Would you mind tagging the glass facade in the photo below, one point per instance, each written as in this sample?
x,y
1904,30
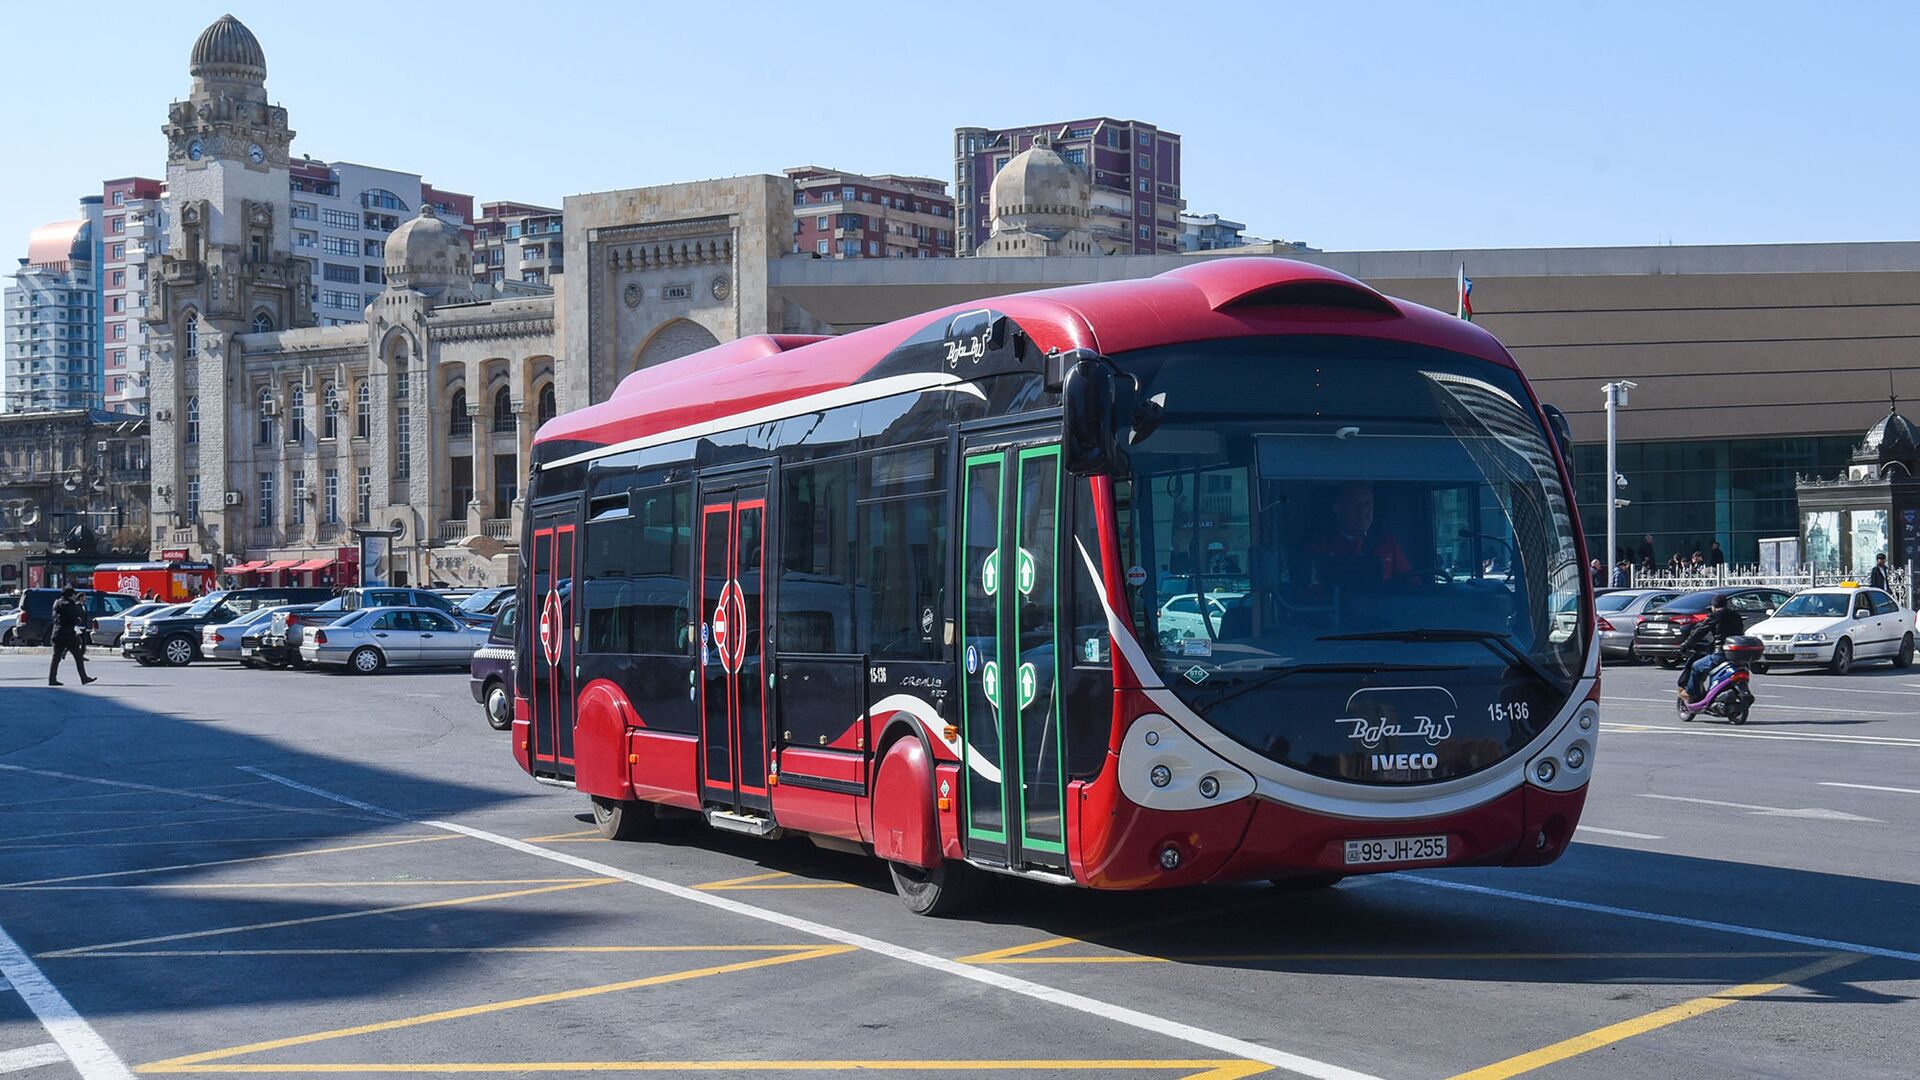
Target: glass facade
x,y
1687,494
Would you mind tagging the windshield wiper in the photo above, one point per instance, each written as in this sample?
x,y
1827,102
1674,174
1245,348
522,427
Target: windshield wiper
x,y
1275,674
1495,642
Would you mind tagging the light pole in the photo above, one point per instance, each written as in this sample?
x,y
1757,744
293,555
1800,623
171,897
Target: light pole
x,y
1616,397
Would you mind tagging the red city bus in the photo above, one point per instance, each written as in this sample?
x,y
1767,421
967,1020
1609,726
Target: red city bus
x,y
1242,571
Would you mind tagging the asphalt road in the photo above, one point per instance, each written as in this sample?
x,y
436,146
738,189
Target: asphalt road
x,y
225,871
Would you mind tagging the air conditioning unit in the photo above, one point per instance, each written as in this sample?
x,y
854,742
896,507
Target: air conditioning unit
x,y
269,408
233,498
163,415
100,447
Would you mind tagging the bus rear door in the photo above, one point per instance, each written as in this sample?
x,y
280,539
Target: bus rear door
x,y
1009,605
730,592
552,637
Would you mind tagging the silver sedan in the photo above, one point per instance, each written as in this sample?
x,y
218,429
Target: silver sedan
x,y
373,639
223,642
1619,614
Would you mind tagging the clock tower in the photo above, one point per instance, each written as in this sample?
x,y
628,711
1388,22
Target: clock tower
x,y
224,268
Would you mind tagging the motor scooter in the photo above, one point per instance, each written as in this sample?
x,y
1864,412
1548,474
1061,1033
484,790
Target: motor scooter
x,y
1729,692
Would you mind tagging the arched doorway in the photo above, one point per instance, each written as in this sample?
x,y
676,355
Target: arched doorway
x,y
672,341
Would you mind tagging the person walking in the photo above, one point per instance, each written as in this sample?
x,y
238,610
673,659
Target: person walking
x,y
1878,579
1622,574
70,623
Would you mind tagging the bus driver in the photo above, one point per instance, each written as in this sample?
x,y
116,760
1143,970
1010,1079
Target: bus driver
x,y
1352,536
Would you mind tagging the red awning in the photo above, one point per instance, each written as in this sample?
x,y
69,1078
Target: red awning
x,y
283,564
244,568
314,564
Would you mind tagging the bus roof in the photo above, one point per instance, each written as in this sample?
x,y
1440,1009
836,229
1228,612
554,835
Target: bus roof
x,y
1213,298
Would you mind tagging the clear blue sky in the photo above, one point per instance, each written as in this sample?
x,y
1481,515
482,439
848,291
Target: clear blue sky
x,y
1350,126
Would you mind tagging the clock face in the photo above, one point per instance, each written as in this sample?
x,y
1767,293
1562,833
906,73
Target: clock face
x,y
195,149
256,154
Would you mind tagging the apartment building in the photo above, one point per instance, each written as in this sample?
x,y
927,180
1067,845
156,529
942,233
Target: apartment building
x,y
131,223
341,213
517,243
52,316
844,215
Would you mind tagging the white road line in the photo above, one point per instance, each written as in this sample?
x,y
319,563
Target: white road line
x,y
30,1057
1626,728
1871,787
1814,813
1671,920
1584,827
1224,1044
76,1038
1668,702
1814,688
201,795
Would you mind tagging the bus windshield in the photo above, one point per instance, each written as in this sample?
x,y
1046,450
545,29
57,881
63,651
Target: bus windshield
x,y
1354,557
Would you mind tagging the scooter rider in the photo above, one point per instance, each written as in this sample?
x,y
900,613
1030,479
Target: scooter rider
x,y
1707,638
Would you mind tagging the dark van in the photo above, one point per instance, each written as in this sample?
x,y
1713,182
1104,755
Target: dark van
x,y
176,640
36,612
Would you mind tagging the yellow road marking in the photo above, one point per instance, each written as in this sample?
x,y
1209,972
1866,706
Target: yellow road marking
x,y
454,902
1673,1014
996,956
230,862
445,949
1130,958
595,833
755,882
188,1062
196,885
1208,1070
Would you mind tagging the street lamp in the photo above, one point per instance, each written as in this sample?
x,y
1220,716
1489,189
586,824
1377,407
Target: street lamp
x,y
1616,397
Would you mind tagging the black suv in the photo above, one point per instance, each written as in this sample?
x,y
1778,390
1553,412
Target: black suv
x,y
176,640
1660,633
36,612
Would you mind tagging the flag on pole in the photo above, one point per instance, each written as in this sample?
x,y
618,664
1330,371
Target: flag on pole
x,y
1464,286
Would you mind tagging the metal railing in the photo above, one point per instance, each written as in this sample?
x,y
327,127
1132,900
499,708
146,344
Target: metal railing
x,y
499,529
449,531
1899,579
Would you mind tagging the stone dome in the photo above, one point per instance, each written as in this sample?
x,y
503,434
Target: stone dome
x,y
1041,190
1894,438
227,49
429,256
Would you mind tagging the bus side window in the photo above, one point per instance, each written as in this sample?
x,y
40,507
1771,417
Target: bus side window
x,y
1088,635
903,517
817,558
637,562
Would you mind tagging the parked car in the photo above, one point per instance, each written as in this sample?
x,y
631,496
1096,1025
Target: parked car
x,y
482,606
1620,612
137,622
109,629
280,643
1836,627
252,640
9,602
175,639
490,673
8,620
1660,632
35,623
221,641
355,599
1180,615
373,639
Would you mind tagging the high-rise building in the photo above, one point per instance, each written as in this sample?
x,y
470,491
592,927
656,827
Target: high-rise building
x,y
130,224
53,322
1134,168
517,242
843,215
341,213
1211,232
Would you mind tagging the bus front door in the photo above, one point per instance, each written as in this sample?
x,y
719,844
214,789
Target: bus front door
x,y
552,639
730,587
1009,595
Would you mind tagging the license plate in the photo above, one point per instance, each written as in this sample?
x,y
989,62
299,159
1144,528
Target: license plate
x,y
246,650
1396,849
1780,654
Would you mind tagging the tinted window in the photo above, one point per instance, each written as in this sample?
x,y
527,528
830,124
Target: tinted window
x,y
1616,601
637,562
1883,604
432,600
817,558
502,632
1690,602
1745,602
434,621
393,620
1089,638
904,544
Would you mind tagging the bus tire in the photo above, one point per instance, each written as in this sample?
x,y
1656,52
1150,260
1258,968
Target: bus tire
x,y
952,888
624,819
1307,882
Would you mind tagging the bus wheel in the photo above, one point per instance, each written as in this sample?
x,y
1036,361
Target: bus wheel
x,y
1308,882
951,888
624,819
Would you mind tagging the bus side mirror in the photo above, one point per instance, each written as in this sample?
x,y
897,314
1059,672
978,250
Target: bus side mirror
x,y
1562,433
1097,398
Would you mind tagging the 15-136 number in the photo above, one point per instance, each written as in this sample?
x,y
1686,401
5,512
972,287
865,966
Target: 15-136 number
x,y
1509,712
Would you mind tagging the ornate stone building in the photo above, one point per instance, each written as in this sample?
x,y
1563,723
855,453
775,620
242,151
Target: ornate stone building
x,y
73,491
1041,205
273,439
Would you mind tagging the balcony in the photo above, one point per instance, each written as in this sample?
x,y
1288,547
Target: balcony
x,y
500,529
446,532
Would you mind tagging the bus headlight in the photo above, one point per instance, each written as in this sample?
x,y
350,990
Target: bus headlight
x,y
1209,787
1576,756
1160,776
1546,770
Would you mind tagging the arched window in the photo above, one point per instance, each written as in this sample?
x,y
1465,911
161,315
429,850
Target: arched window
x,y
549,408
363,408
329,412
503,418
459,423
191,334
262,323
266,416
296,413
193,419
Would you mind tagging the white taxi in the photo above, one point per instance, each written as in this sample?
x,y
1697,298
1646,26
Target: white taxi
x,y
1837,626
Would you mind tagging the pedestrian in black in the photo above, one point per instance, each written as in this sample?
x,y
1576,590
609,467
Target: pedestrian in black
x,y
70,623
1716,557
1878,579
1646,553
